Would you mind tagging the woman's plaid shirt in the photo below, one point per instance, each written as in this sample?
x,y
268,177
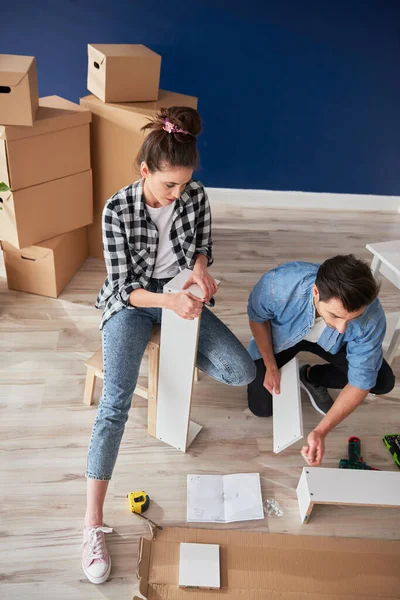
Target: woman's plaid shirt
x,y
130,241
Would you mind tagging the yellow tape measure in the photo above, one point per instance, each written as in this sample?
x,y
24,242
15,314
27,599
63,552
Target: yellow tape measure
x,y
139,502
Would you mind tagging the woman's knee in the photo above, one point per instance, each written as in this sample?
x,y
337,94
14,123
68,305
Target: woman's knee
x,y
249,372
116,405
118,389
240,371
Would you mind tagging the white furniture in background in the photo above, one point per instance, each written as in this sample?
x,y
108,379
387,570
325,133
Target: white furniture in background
x,y
386,262
318,485
287,410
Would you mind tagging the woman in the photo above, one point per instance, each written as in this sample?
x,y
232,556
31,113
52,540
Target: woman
x,y
152,229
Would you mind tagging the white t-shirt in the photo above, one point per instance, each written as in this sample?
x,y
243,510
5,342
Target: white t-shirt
x,y
166,265
315,332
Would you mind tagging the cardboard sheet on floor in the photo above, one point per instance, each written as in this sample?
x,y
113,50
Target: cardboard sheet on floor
x,y
256,566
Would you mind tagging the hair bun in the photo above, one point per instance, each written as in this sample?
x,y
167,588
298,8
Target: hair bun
x,y
172,139
181,117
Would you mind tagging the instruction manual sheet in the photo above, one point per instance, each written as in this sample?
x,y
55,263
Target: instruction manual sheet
x,y
224,498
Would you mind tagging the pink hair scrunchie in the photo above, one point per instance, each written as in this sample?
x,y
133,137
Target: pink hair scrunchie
x,y
171,128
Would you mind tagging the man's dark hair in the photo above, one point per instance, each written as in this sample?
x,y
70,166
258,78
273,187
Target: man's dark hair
x,y
348,279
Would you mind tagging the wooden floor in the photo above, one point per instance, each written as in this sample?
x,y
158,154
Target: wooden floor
x,y
45,428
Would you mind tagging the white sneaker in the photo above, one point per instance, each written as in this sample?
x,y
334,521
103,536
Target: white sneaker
x,y
96,561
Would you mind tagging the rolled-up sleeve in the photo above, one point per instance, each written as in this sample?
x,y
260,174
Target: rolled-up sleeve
x,y
203,230
117,255
365,355
260,306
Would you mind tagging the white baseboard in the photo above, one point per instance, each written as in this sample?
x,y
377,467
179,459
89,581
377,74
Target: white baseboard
x,y
279,199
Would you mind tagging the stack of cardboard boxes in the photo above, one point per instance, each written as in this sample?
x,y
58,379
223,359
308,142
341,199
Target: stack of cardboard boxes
x,y
47,151
124,81
46,197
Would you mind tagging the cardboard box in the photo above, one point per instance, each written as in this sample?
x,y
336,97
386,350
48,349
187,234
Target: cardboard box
x,y
47,267
123,72
43,211
260,566
57,145
18,90
115,142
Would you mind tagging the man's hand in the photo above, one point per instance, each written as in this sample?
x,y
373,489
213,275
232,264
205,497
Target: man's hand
x,y
314,450
272,380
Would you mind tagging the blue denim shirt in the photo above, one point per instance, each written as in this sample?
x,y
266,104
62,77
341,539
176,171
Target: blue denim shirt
x,y
284,297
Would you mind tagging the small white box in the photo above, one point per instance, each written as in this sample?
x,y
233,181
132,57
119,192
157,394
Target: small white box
x,y
199,566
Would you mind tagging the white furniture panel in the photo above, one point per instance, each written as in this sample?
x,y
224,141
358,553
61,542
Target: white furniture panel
x,y
346,486
287,413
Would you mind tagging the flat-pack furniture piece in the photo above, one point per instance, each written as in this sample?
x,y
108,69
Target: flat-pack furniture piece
x,y
287,413
178,352
346,486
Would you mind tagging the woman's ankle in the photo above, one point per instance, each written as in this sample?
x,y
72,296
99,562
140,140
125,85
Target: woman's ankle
x,y
93,521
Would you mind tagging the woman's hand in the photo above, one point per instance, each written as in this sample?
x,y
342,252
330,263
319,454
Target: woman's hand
x,y
185,305
204,280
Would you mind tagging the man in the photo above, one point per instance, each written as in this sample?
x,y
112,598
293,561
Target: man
x,y
333,311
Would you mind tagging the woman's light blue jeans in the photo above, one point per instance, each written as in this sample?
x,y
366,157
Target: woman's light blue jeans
x,y
124,339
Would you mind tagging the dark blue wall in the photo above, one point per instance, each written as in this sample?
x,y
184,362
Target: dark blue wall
x,y
294,94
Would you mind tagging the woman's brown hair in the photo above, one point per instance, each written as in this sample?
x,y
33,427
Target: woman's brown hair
x,y
172,139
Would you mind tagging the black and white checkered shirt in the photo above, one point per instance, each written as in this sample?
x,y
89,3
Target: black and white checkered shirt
x,y
130,241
